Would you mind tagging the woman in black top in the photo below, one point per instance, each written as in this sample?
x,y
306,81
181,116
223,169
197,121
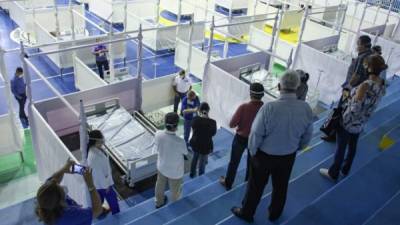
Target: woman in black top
x,y
201,142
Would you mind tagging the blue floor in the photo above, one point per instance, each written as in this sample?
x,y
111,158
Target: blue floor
x,y
377,182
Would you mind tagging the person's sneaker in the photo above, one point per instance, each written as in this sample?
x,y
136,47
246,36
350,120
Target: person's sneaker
x,y
325,173
165,202
238,212
223,183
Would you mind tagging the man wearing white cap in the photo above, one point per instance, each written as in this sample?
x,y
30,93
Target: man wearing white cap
x,y
280,129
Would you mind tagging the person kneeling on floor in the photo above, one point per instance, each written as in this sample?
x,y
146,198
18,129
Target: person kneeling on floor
x,y
170,165
55,207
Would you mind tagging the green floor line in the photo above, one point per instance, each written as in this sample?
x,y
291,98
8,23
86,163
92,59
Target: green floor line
x,y
12,167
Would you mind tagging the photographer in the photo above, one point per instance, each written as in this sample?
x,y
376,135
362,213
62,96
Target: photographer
x,y
55,207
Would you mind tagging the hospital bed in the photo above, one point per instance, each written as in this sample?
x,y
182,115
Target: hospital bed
x,y
129,140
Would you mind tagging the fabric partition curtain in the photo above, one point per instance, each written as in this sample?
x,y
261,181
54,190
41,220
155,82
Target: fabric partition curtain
x,y
326,76
224,93
11,132
51,154
11,135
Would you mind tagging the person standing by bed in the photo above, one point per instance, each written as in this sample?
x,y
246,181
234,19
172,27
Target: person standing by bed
x,y
102,175
170,162
204,129
100,52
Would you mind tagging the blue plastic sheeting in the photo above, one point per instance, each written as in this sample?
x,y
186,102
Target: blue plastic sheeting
x,y
306,173
357,197
21,214
389,214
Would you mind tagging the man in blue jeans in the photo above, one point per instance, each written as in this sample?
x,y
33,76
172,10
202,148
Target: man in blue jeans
x,y
18,88
190,105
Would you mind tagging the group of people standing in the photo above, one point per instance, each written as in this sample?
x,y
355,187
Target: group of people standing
x,y
172,150
271,133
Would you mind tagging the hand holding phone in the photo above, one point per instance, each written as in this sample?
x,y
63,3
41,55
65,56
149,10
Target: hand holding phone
x,y
79,169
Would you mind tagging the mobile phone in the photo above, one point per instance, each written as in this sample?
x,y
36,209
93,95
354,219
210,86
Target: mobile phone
x,y
79,169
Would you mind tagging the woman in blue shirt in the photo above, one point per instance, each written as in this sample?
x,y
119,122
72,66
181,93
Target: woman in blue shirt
x,y
55,207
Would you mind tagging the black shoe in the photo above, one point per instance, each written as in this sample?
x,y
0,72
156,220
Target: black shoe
x,y
222,181
238,212
330,139
273,217
165,202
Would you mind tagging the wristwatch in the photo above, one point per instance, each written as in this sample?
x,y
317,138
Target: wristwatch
x,y
91,189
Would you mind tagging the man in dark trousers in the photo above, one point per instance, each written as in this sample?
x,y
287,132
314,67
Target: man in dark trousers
x,y
18,88
242,121
356,73
280,128
100,52
181,85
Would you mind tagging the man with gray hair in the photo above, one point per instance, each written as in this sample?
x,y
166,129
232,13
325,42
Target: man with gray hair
x,y
280,129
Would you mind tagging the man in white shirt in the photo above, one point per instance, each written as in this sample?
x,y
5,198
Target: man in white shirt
x,y
170,165
182,84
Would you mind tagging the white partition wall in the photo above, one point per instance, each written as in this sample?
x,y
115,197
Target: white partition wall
x,y
47,19
197,62
114,10
328,74
86,78
162,86
223,89
11,135
51,154
11,132
164,38
262,40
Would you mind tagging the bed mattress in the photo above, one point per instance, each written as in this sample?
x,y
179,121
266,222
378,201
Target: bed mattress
x,y
124,136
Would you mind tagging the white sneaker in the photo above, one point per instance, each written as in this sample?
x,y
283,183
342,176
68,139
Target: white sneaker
x,y
325,173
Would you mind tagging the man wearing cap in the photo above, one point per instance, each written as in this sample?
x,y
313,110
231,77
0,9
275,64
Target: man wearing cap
x,y
170,164
242,120
280,128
